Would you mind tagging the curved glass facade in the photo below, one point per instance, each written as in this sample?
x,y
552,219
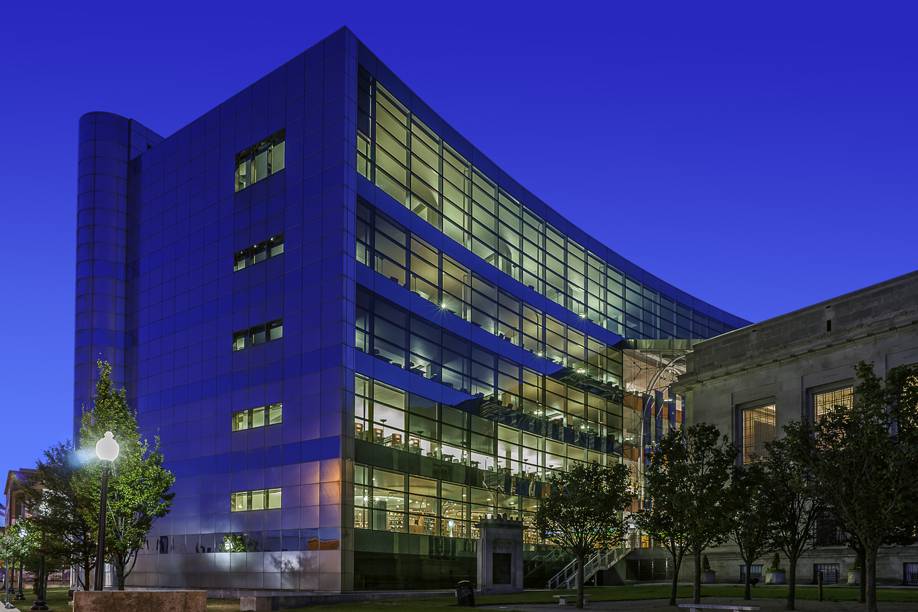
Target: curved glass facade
x,y
411,163
354,335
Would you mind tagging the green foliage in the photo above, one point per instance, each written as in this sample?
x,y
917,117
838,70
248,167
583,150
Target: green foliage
x,y
751,515
53,487
865,463
236,542
795,504
583,511
687,488
110,412
139,487
19,541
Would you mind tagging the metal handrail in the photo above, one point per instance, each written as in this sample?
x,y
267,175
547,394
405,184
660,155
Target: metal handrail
x,y
601,560
550,555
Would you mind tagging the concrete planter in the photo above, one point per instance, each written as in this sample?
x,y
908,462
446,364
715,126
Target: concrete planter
x,y
140,601
775,577
708,577
854,576
251,603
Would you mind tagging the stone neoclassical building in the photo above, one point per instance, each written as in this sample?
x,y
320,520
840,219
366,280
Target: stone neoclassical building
x,y
753,381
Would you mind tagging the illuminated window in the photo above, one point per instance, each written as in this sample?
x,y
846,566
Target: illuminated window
x,y
758,430
259,499
274,499
272,414
260,161
824,401
258,335
239,502
433,507
272,247
398,254
416,167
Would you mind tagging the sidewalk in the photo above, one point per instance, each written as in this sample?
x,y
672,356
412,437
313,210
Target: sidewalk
x,y
766,605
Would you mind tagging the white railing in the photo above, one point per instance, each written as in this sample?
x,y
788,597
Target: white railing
x,y
599,561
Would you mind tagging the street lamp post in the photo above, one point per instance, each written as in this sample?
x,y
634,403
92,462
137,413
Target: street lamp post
x,y
7,584
21,594
40,595
106,450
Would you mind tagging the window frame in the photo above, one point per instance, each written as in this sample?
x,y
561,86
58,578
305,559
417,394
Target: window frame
x,y
741,410
813,392
249,157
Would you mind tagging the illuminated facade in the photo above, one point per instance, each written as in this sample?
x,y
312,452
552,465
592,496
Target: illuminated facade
x,y
752,382
354,334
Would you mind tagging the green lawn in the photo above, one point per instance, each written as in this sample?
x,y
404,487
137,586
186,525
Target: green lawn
x,y
57,598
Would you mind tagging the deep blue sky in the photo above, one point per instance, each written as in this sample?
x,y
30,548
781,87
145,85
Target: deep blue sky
x,y
760,157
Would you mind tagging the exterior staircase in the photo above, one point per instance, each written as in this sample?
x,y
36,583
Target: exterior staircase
x,y
550,556
599,561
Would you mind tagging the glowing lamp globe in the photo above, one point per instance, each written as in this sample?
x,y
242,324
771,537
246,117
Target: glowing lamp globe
x,y
107,448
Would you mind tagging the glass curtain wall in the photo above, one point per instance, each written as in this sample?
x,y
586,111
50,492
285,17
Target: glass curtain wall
x,y
410,262
398,502
411,163
514,463
549,406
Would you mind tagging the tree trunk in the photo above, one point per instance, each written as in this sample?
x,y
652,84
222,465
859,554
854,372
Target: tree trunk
x,y
747,594
118,566
862,577
580,559
677,563
86,571
43,574
792,584
696,580
871,579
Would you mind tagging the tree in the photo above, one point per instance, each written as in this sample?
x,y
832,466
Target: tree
x,y
795,502
139,494
664,515
73,530
18,543
583,511
687,483
46,549
139,487
865,463
751,516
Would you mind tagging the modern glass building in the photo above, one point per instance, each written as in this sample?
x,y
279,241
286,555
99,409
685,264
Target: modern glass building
x,y
354,334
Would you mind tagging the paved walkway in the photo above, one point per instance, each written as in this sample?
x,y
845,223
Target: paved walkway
x,y
766,605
